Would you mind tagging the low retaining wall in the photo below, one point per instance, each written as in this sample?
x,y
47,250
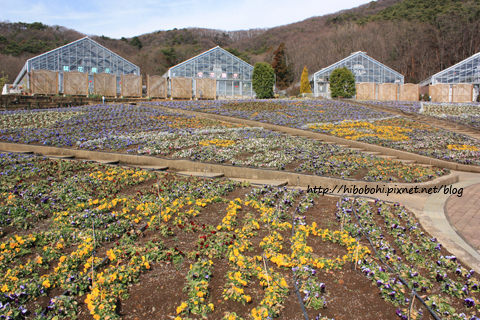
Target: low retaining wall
x,y
314,135
229,171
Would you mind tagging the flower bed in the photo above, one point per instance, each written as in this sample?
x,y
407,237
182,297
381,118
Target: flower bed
x,y
122,242
333,117
292,113
461,113
155,132
421,262
404,134
405,106
467,114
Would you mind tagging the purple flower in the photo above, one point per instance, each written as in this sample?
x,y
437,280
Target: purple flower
x,y
469,302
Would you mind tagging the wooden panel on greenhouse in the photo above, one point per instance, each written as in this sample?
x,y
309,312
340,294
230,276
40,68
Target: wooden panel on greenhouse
x,y
44,82
206,88
75,83
387,91
156,87
409,92
462,92
104,84
365,91
131,85
181,88
439,92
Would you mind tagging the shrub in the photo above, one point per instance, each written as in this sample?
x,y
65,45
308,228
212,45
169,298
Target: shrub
x,y
263,79
304,83
3,80
342,83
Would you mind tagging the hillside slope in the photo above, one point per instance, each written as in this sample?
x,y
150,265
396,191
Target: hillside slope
x,y
415,37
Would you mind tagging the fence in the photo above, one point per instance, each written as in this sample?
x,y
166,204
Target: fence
x,y
75,83
44,82
131,85
156,87
206,88
439,92
409,92
462,93
387,91
105,84
366,91
181,88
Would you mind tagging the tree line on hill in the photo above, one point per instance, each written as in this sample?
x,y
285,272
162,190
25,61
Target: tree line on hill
x,y
414,37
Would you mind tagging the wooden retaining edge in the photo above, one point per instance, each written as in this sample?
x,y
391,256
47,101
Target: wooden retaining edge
x,y
315,135
292,178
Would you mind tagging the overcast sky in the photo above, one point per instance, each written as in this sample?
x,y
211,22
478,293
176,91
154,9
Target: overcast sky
x,y
128,18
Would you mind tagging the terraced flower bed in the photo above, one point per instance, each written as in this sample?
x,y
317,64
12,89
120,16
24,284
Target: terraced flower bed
x,y
94,242
404,134
352,122
151,131
292,113
461,113
405,106
467,114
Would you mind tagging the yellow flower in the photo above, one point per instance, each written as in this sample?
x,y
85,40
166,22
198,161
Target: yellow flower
x,y
46,284
4,288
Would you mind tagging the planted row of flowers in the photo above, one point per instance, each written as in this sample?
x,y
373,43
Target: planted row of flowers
x,y
446,285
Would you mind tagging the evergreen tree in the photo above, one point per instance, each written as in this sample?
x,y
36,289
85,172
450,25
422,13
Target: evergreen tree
x,y
136,43
342,83
282,70
263,79
304,83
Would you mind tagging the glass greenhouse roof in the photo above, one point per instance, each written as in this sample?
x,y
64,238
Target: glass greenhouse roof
x,y
365,69
466,71
215,63
83,55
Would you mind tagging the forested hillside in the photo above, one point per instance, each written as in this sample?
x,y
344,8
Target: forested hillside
x,y
415,37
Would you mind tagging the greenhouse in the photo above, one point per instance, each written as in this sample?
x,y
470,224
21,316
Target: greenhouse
x,y
214,73
83,57
466,71
365,69
459,83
